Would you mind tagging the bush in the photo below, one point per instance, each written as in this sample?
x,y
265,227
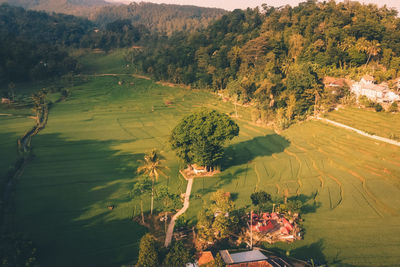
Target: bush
x,y
378,108
363,100
394,107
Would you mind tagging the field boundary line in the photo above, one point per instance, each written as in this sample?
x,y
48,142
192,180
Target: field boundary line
x,y
376,137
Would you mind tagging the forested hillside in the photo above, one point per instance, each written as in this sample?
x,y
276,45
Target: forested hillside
x,y
84,8
276,57
161,18
32,43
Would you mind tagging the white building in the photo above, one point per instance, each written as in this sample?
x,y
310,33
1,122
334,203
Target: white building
x,y
374,92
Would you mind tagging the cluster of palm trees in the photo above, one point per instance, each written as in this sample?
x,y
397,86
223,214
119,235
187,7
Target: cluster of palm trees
x,y
152,167
371,48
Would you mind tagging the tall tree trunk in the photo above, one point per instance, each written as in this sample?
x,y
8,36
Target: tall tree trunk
x,y
141,209
369,58
152,197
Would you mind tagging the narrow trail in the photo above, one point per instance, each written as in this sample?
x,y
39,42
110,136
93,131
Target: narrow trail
x,y
24,150
376,137
170,231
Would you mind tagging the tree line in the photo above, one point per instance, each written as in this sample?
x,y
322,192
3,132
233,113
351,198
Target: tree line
x,y
276,58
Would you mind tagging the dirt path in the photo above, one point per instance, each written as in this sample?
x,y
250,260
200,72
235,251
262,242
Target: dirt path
x,y
379,138
170,231
24,150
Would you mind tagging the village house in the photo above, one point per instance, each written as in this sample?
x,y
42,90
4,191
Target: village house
x,y
375,92
253,258
336,84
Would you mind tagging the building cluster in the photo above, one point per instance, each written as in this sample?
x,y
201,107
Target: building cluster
x,y
252,258
380,93
273,227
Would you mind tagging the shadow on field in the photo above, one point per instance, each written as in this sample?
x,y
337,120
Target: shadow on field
x,y
312,251
79,192
242,153
309,205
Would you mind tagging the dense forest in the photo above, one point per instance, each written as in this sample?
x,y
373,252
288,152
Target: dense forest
x,y
84,8
31,43
161,18
276,58
35,45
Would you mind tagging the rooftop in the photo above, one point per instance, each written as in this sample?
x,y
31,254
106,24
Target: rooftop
x,y
247,256
368,78
205,257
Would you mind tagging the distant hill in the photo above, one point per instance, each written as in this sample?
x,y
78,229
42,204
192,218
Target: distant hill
x,y
84,8
160,17
156,17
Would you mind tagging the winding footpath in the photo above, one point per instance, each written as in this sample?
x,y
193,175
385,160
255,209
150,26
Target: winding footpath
x,y
170,231
376,137
24,147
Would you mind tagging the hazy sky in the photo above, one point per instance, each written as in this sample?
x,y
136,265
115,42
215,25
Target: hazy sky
x,y
232,4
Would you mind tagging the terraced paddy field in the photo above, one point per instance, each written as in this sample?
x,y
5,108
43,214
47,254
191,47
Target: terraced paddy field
x,y
86,157
379,123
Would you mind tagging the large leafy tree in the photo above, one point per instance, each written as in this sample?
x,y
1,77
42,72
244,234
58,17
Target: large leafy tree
x,y
152,167
218,219
260,199
178,256
148,255
199,137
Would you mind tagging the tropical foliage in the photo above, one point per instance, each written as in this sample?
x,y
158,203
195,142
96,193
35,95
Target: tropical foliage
x,y
276,58
199,137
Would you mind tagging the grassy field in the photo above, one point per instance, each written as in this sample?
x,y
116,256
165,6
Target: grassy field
x,y
13,124
379,123
86,157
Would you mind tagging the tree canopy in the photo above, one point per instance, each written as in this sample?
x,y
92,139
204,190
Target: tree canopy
x,y
178,256
218,220
199,137
266,55
148,255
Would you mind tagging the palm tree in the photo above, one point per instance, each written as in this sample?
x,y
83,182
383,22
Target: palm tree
x,y
373,49
151,166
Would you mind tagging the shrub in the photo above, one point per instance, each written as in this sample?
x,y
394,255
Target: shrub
x,y
394,107
363,100
378,108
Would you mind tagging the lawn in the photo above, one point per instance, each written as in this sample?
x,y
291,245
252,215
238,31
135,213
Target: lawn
x,y
86,157
379,123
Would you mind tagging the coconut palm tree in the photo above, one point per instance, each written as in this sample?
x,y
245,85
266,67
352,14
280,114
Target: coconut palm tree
x,y
152,167
373,49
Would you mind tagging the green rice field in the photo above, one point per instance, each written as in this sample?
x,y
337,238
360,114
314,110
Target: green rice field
x,y
86,157
379,123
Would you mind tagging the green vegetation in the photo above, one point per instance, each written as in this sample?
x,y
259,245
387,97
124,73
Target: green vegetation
x,y
148,256
86,157
178,256
260,199
164,18
217,220
382,123
199,138
152,167
276,58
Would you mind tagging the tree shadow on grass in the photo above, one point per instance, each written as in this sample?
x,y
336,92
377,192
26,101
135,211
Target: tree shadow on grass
x,y
309,204
243,152
313,251
63,200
